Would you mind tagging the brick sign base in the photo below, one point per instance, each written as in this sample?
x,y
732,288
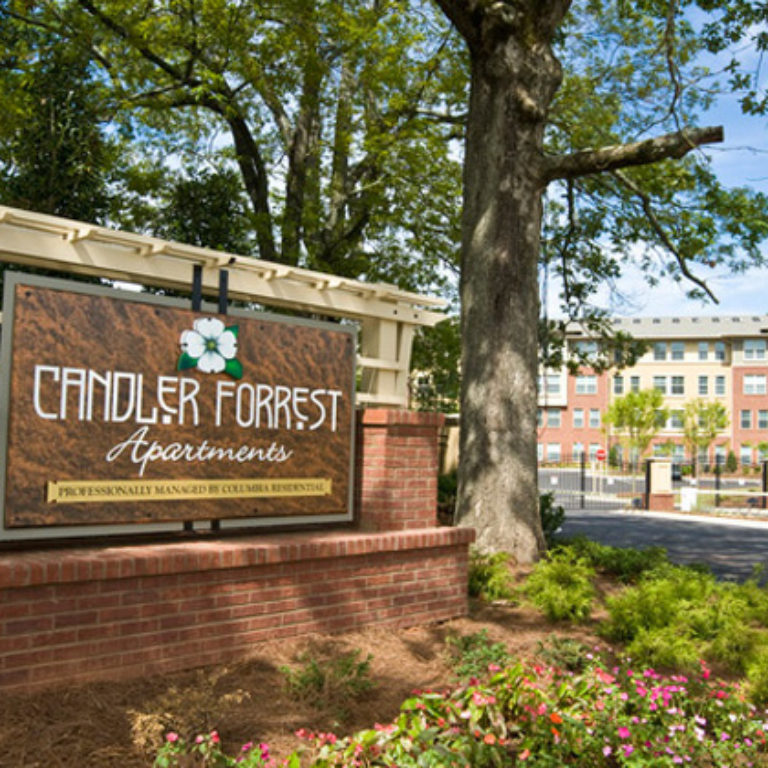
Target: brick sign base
x,y
98,614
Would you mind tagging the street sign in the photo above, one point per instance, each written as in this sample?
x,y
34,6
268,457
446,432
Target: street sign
x,y
600,454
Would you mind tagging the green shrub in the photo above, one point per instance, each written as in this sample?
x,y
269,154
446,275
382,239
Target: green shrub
x,y
626,564
668,647
662,598
561,587
472,655
329,683
489,576
564,653
757,677
675,616
731,465
552,517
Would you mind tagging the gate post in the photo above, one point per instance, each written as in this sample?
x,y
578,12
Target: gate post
x,y
583,481
658,486
764,484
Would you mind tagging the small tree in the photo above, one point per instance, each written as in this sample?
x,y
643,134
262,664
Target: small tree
x,y
702,422
636,418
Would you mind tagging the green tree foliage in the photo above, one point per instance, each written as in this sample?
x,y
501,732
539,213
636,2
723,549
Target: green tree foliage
x,y
207,208
636,419
744,22
331,114
436,379
703,421
55,154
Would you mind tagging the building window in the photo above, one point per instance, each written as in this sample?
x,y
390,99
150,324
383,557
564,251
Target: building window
x,y
720,454
745,420
618,385
634,383
754,349
593,449
539,418
586,385
578,418
720,385
660,383
754,384
553,417
660,350
703,385
745,454
677,348
703,350
586,349
719,350
762,419
553,384
677,385
594,418
578,450
675,419
539,451
553,451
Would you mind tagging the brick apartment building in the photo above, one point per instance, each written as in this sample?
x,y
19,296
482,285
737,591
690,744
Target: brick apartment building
x,y
722,358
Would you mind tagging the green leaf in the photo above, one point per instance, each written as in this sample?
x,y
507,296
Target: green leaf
x,y
234,368
186,362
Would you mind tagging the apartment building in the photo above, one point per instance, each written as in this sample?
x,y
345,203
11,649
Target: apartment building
x,y
722,358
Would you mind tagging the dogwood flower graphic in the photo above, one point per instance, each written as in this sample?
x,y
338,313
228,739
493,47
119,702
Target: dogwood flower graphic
x,y
210,347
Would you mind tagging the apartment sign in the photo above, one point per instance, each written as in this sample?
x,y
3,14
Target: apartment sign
x,y
124,408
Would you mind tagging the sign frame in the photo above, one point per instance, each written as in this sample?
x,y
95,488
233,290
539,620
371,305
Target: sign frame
x,y
104,529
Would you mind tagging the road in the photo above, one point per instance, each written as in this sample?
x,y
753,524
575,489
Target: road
x,y
730,547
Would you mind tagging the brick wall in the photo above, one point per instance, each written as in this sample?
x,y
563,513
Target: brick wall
x,y
397,464
124,611
113,611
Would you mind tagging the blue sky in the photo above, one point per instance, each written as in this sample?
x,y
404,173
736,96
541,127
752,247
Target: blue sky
x,y
741,160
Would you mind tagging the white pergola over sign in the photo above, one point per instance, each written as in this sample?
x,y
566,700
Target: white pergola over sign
x,y
387,315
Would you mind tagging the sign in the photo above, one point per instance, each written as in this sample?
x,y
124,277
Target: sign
x,y
123,408
600,454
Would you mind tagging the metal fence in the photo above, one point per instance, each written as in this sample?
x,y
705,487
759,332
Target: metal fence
x,y
578,482
719,489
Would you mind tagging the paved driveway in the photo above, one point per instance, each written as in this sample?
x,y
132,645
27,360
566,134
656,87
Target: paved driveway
x,y
730,547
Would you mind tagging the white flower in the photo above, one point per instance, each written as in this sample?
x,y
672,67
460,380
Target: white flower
x,y
210,343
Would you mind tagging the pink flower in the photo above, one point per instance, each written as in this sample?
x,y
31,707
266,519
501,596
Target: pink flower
x,y
607,751
172,737
623,732
628,749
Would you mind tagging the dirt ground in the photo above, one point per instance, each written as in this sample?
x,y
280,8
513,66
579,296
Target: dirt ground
x,y
120,723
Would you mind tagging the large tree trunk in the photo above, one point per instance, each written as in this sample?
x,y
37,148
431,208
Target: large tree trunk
x,y
513,83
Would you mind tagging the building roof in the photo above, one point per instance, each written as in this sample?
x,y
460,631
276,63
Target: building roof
x,y
683,327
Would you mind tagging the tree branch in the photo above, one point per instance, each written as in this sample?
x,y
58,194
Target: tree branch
x,y
122,32
670,145
682,262
461,14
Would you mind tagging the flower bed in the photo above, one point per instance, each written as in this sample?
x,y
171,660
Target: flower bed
x,y
606,715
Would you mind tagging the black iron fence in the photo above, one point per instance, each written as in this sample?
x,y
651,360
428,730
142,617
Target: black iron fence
x,y
583,482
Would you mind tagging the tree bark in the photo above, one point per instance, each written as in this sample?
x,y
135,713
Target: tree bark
x,y
514,78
